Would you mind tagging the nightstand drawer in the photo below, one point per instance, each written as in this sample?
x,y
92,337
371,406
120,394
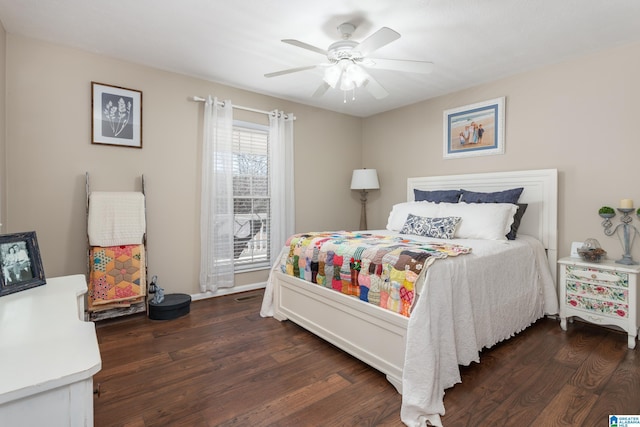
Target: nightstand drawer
x,y
613,309
597,291
608,278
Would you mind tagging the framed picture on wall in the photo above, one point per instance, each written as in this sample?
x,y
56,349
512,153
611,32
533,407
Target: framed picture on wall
x,y
116,115
474,130
20,263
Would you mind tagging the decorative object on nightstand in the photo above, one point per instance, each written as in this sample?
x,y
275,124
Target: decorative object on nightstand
x,y
363,180
591,251
629,231
606,212
604,294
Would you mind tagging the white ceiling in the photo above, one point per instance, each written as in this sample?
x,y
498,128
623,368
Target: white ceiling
x,y
236,42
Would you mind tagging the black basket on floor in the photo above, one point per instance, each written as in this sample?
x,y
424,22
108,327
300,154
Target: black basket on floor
x,y
172,307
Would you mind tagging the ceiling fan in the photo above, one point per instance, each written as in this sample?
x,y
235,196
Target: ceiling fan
x,y
348,60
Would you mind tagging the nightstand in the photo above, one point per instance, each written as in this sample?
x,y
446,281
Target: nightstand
x,y
604,293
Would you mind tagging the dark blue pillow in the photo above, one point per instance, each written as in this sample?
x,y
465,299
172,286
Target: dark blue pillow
x,y
506,196
437,196
516,221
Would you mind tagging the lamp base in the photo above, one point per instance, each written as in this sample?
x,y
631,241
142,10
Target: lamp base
x,y
626,260
363,210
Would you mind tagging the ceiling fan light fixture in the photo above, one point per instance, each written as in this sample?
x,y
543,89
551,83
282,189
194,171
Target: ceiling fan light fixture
x,y
345,75
332,75
355,75
346,84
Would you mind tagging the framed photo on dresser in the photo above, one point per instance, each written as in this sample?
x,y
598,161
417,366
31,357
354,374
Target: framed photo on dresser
x,y
20,263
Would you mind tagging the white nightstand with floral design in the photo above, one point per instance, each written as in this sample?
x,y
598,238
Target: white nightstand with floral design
x,y
605,293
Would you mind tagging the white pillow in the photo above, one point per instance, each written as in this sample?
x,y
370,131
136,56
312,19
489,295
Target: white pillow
x,y
490,221
400,212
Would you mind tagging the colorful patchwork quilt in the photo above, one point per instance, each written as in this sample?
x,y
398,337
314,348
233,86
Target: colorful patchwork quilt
x,y
381,270
117,274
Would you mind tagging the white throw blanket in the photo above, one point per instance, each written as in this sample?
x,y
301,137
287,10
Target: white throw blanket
x,y
116,218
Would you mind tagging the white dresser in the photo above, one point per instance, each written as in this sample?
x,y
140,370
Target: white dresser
x,y
48,356
605,293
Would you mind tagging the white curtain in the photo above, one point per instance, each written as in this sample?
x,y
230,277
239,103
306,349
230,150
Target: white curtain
x,y
282,185
216,202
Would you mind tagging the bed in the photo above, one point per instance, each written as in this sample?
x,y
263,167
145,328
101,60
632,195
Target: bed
x,y
464,304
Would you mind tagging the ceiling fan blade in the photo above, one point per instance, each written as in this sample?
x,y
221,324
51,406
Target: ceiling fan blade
x,y
421,67
290,70
321,90
375,88
375,41
305,46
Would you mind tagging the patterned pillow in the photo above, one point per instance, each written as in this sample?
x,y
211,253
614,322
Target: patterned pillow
x,y
440,228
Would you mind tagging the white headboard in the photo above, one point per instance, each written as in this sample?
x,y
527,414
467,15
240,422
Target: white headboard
x,y
540,193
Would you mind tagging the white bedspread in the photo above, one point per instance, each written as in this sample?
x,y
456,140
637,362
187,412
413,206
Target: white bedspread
x,y
466,303
469,303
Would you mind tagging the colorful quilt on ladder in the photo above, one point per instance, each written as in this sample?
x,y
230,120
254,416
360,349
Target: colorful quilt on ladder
x,y
117,274
381,270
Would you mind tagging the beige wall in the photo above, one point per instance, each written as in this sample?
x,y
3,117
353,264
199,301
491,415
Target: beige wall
x,y
579,116
49,150
3,129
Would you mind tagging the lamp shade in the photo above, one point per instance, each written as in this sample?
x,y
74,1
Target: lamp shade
x,y
364,179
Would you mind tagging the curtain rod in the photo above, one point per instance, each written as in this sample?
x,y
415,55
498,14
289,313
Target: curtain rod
x,y
239,107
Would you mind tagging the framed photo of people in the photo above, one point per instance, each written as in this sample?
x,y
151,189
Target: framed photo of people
x,y
20,263
474,130
116,115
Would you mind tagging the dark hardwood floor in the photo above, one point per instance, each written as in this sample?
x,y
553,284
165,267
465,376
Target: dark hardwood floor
x,y
224,365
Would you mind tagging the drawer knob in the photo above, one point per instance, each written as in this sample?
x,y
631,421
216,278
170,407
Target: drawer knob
x,y
593,276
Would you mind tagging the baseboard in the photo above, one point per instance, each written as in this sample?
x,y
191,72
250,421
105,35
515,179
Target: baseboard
x,y
229,291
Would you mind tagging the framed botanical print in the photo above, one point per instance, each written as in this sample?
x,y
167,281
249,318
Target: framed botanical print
x,y
116,115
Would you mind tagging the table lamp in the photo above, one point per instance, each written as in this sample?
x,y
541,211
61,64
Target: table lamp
x,y
363,180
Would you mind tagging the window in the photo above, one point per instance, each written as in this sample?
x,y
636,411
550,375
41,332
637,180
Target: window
x,y
251,195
